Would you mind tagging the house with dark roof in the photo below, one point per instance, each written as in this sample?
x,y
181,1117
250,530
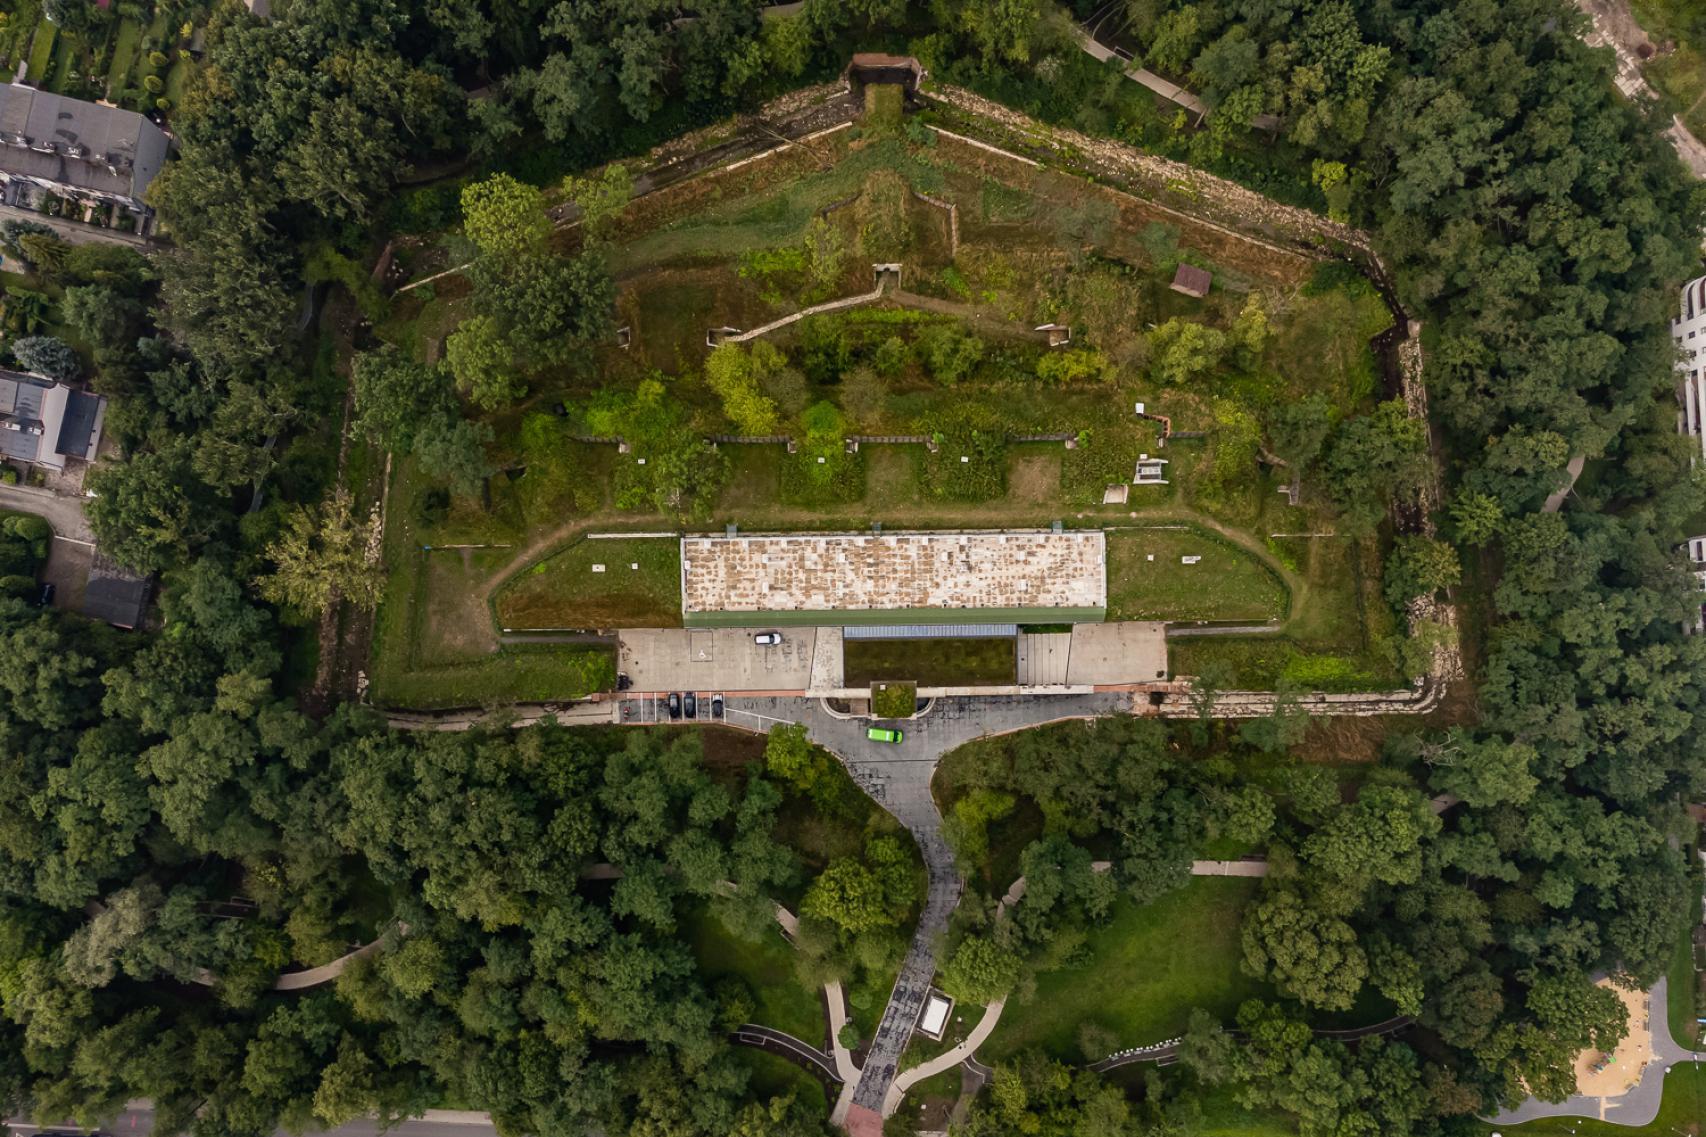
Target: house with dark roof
x,y
114,594
43,423
81,150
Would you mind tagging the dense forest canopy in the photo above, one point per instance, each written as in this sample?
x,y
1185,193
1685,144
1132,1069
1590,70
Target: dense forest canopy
x,y
1533,220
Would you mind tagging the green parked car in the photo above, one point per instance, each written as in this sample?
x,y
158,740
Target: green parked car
x,y
883,734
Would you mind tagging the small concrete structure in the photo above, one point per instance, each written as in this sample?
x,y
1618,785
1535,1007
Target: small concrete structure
x,y
933,1019
1149,471
1059,335
872,68
1116,494
1697,565
1192,281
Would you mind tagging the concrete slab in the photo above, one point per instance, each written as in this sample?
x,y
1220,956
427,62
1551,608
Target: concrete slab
x,y
829,667
1043,658
1126,652
715,659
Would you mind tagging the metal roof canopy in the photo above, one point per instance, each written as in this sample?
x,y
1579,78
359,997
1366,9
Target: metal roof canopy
x,y
929,631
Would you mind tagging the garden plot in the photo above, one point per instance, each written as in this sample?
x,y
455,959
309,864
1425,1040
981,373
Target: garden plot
x,y
937,407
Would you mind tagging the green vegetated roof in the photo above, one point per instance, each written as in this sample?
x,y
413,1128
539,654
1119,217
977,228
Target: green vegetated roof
x,y
832,617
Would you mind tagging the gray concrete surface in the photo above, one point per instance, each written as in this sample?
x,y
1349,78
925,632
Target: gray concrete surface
x,y
1043,658
715,659
1128,651
1637,1107
65,514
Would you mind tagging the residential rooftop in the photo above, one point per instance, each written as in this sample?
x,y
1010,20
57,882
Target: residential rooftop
x,y
71,143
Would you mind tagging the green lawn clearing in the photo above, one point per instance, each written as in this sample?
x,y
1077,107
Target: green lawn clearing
x,y
513,675
124,56
766,968
931,663
1148,578
1148,966
596,583
41,51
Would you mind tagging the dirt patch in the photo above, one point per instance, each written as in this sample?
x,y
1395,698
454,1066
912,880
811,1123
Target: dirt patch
x,y
455,625
1034,478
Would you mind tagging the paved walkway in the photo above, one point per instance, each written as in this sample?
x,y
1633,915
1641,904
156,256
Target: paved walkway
x,y
947,1060
898,778
1637,1107
1097,25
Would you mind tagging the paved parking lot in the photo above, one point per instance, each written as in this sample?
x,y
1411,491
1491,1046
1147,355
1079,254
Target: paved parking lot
x,y
715,659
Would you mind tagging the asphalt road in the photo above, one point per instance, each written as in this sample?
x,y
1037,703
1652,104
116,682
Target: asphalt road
x,y
138,1121
65,514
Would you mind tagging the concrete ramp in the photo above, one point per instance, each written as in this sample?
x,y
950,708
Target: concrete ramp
x,y
1043,658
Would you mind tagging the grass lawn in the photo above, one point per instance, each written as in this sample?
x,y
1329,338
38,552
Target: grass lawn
x,y
177,78
766,968
1228,583
774,1076
41,50
508,676
593,584
1683,1112
124,56
931,663
1148,967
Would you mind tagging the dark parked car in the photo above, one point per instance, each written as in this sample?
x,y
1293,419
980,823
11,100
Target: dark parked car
x,y
692,706
623,682
716,706
46,598
674,705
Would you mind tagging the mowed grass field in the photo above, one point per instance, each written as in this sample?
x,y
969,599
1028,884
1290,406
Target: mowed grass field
x,y
1148,967
1149,580
931,663
604,583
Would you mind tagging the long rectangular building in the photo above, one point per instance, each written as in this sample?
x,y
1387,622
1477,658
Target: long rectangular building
x,y
894,578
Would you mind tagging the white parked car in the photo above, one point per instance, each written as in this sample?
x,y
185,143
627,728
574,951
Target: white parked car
x,y
767,639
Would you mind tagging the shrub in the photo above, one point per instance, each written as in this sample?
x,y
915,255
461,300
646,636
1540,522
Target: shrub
x,y
46,355
894,700
9,476
1073,365
157,59
949,353
153,84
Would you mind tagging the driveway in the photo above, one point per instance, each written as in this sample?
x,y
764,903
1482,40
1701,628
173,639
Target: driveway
x,y
65,514
67,569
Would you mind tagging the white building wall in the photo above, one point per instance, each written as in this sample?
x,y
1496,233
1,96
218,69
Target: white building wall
x,y
1689,332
